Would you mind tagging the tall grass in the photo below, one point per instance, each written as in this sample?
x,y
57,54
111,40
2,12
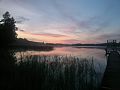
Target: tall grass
x,y
56,73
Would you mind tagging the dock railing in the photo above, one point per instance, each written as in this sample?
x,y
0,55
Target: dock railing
x,y
111,46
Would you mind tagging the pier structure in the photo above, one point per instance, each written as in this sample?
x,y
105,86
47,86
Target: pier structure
x,y
111,77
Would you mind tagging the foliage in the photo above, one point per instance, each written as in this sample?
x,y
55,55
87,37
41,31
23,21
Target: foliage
x,y
7,29
56,73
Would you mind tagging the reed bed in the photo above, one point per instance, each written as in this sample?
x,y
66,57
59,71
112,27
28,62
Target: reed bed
x,y
56,73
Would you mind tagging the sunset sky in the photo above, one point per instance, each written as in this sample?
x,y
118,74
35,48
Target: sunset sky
x,y
65,21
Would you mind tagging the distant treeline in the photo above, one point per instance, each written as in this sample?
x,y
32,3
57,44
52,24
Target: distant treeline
x,y
30,45
101,44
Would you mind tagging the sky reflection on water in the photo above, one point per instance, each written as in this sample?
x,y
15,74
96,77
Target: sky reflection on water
x,y
97,54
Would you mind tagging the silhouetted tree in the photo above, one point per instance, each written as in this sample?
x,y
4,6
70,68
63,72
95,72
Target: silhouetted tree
x,y
7,29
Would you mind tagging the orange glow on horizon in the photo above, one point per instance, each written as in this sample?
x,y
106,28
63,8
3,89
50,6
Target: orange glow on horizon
x,y
54,38
48,38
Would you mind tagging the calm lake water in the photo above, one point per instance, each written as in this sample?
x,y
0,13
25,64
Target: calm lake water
x,y
97,54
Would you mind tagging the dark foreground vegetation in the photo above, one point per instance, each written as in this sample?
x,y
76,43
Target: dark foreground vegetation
x,y
48,73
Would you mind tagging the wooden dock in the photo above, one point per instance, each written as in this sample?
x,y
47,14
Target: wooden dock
x,y
111,78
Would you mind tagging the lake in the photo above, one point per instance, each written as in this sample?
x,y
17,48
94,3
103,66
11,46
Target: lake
x,y
98,54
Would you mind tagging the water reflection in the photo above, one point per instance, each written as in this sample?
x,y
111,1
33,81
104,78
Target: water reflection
x,y
97,54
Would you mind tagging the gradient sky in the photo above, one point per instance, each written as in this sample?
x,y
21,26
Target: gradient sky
x,y
65,21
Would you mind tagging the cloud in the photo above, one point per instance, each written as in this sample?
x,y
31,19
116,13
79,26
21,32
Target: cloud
x,y
67,15
74,41
46,37
44,34
100,27
21,30
104,19
50,35
71,41
92,24
110,36
21,19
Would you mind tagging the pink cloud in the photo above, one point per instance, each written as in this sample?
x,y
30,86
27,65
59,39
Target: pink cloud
x,y
49,34
44,34
53,38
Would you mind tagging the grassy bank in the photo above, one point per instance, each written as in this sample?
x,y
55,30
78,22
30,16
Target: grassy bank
x,y
56,73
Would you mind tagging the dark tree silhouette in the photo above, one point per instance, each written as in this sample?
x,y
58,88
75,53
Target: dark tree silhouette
x,y
7,29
